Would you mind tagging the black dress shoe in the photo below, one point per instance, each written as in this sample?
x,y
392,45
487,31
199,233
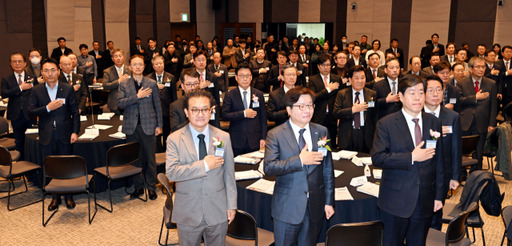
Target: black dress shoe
x,y
137,193
70,204
54,204
152,195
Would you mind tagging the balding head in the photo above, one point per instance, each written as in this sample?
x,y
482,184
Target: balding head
x,y
66,64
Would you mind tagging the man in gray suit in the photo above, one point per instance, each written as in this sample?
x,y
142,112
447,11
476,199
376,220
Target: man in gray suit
x,y
140,98
205,200
111,79
304,189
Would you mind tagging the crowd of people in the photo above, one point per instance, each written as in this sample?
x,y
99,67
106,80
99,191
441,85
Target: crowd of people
x,y
351,94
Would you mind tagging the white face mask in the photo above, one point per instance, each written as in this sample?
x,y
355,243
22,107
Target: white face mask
x,y
35,60
344,40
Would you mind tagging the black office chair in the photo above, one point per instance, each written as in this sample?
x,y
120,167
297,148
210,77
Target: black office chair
x,y
243,230
355,234
10,170
6,141
119,165
457,229
469,145
166,219
68,174
506,215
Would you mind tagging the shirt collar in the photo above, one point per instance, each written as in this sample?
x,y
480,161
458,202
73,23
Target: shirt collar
x,y
296,128
17,75
409,117
436,111
194,132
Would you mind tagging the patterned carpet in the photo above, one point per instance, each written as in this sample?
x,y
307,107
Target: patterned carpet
x,y
134,222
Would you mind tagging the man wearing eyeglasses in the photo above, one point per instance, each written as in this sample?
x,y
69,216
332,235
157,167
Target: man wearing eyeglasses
x,y
304,189
189,81
244,108
205,176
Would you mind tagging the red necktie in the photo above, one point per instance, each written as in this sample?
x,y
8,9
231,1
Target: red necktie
x,y
417,131
477,89
200,77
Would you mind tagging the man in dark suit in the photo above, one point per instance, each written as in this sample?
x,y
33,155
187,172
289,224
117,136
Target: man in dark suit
x,y
436,46
478,106
208,81
244,108
97,54
220,71
398,52
172,60
450,93
276,106
189,81
275,78
67,76
293,59
356,58
260,71
137,48
112,77
415,67
325,85
151,52
55,104
243,54
34,67
434,59
505,81
304,188
411,189
491,71
452,138
340,67
108,54
271,49
355,108
374,73
167,89
388,100
61,50
304,59
140,99
17,87
450,54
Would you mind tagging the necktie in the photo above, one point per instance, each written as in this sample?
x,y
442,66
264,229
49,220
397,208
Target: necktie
x,y
245,99
303,58
394,51
394,87
217,68
281,70
326,83
201,77
19,79
159,79
69,79
374,73
302,141
202,146
477,89
506,65
138,47
451,59
119,72
417,131
432,113
357,116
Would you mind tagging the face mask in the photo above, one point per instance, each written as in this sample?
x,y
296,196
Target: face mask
x,y
35,60
344,40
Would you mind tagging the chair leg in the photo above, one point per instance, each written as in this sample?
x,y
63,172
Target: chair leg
x,y
89,207
9,195
162,228
48,220
483,237
109,197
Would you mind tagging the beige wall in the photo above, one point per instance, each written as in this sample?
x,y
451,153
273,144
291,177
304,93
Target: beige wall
x,y
251,12
116,24
309,10
177,7
205,20
371,17
502,31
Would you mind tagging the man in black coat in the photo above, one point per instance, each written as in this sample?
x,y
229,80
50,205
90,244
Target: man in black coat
x,y
388,100
61,50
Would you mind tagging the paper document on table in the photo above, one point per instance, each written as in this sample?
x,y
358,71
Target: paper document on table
x,y
83,118
366,160
337,173
357,161
246,160
118,135
377,173
32,131
262,166
369,188
249,174
357,181
100,127
342,193
105,116
256,154
346,154
88,136
263,185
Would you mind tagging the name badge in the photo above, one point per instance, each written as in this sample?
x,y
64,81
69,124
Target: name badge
x,y
431,144
300,72
371,104
449,128
323,150
268,68
211,85
453,100
307,61
212,116
219,152
62,99
167,84
221,71
255,104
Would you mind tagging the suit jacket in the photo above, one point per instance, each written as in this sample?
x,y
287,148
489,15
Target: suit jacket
x,y
504,82
214,90
352,63
100,62
276,107
260,80
370,82
496,77
57,53
343,111
428,70
148,55
382,89
82,93
294,182
192,181
18,100
453,92
229,60
223,79
400,57
147,109
484,111
403,182
111,83
307,60
422,73
452,145
177,115
30,70
239,58
168,94
445,58
173,67
66,118
135,51
323,98
245,131
107,59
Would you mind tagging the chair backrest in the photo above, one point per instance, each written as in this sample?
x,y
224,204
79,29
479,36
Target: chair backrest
x,y
5,157
506,215
164,181
243,226
64,167
4,125
355,234
123,154
457,227
469,144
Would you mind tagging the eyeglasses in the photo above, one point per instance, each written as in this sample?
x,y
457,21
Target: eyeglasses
x,y
195,111
480,67
50,70
303,107
325,65
244,76
190,84
431,91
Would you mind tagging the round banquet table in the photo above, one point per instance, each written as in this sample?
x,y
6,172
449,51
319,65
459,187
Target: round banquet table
x,y
362,208
93,151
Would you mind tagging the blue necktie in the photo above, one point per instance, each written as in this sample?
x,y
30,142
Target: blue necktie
x,y
245,99
302,141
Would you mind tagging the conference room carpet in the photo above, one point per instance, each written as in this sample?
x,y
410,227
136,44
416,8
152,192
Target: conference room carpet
x,y
134,222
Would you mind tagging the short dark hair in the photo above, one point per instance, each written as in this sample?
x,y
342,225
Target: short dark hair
x,y
34,49
198,93
355,69
243,65
461,49
489,51
110,41
457,64
17,53
506,47
137,38
434,54
83,46
293,95
430,78
390,60
50,60
61,38
200,52
442,66
481,44
323,58
407,81
376,40
93,42
410,59
293,52
450,43
151,39
394,39
283,53
373,54
188,72
435,34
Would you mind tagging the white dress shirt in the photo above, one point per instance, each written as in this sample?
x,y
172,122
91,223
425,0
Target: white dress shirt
x,y
411,125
